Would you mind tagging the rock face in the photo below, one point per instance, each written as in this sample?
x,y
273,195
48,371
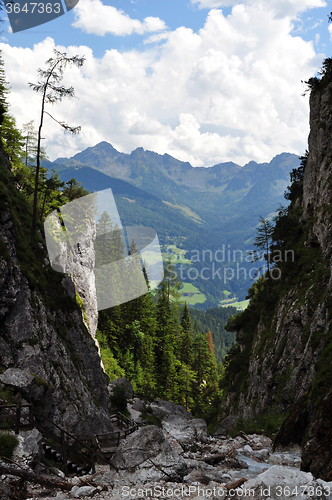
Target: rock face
x,y
42,330
147,455
317,454
178,422
288,348
78,264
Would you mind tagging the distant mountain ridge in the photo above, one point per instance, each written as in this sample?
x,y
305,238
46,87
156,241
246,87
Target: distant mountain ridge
x,y
196,208
105,158
227,184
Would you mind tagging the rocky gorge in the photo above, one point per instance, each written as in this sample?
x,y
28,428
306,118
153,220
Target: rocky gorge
x,y
281,366
166,461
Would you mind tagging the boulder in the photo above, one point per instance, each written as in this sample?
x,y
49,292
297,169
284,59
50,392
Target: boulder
x,y
83,491
122,382
146,455
20,380
226,426
165,409
282,483
29,385
136,409
142,445
30,445
178,422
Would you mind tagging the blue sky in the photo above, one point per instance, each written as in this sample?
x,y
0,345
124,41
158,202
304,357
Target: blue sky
x,y
203,80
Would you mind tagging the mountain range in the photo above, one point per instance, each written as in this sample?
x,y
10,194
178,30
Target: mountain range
x,y
194,208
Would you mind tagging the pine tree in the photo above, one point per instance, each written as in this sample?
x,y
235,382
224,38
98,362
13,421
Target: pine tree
x,y
51,195
185,342
147,358
29,135
110,268
74,190
186,379
263,241
4,90
172,282
165,337
52,91
12,140
202,366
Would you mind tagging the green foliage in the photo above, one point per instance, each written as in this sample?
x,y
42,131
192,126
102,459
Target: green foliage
x,y
119,398
268,424
150,418
315,84
112,369
12,140
8,443
158,349
214,320
7,394
40,381
296,178
30,148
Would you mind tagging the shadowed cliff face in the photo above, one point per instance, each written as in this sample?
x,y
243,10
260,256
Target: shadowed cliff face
x,y
285,336
317,185
42,329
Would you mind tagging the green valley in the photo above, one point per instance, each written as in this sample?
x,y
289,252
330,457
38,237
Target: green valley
x,y
205,218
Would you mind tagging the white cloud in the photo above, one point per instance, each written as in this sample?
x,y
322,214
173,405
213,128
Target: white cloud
x,y
232,91
92,16
282,8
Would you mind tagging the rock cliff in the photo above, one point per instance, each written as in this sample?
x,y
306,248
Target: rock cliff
x,y
44,332
283,362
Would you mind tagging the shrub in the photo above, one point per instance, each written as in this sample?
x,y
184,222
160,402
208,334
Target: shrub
x,y
8,442
119,398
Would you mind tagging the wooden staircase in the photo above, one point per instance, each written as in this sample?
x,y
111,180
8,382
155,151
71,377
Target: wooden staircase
x,y
71,468
108,442
78,453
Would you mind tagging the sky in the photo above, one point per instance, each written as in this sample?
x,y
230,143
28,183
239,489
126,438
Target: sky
x,y
206,81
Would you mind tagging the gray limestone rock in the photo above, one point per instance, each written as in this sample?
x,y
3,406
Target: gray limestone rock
x,y
178,422
122,382
226,425
146,455
30,444
17,378
144,444
83,491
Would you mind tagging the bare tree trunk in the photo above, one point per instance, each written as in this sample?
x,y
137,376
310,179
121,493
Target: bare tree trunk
x,y
36,478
